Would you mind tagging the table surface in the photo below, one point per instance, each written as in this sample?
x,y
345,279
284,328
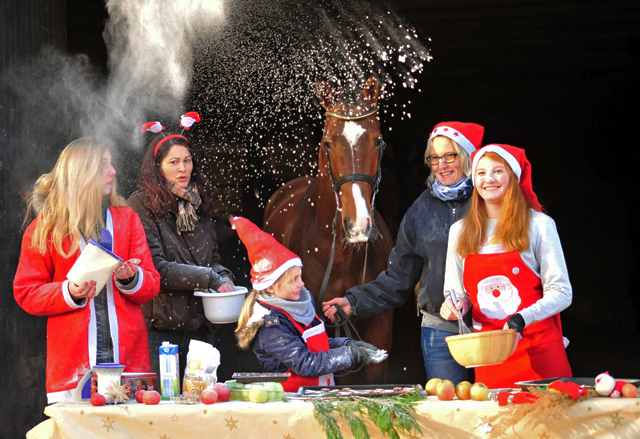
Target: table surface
x,y
293,419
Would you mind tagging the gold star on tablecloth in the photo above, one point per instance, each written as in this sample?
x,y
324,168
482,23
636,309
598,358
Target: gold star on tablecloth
x,y
544,435
175,418
231,423
82,412
108,424
287,437
616,420
275,422
150,422
589,409
205,411
164,436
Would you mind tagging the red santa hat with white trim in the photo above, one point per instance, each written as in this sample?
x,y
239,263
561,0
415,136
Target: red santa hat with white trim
x,y
466,134
269,259
519,164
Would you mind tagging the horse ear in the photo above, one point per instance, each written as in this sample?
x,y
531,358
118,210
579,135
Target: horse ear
x,y
325,94
371,89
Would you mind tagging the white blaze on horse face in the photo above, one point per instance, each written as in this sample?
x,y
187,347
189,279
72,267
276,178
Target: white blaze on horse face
x,y
352,132
363,220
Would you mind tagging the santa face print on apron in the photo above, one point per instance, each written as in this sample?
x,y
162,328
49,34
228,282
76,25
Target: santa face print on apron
x,y
500,285
316,340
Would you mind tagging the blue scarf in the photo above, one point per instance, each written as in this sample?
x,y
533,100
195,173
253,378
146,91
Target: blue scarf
x,y
459,191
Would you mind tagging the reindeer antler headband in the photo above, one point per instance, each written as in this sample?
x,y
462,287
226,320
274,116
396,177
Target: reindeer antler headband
x,y
186,121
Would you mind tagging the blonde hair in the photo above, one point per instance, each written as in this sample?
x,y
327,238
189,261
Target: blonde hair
x,y
463,156
247,307
512,230
68,200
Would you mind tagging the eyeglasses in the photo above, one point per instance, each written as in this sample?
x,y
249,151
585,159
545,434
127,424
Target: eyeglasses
x,y
434,160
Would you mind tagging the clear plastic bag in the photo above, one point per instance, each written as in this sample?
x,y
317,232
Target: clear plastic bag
x,y
201,369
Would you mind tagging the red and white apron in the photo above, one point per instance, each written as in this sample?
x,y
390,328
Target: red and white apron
x,y
500,285
316,339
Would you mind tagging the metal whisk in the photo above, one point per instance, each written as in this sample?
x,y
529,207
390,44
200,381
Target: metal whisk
x,y
462,326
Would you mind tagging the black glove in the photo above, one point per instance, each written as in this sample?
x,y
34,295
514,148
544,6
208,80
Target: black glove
x,y
516,322
363,352
362,344
215,280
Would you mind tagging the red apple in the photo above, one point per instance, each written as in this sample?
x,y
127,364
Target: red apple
x,y
223,391
98,399
431,385
479,392
151,397
629,390
139,395
462,390
209,396
445,390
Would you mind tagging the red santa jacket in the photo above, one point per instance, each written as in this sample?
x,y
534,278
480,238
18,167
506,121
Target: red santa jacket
x,y
40,288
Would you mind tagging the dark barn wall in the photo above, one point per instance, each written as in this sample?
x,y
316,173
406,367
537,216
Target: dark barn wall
x,y
25,26
556,78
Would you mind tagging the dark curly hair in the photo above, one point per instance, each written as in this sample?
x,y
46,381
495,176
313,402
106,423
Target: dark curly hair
x,y
153,183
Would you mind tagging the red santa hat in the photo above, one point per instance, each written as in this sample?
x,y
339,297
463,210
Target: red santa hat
x,y
269,259
468,135
519,164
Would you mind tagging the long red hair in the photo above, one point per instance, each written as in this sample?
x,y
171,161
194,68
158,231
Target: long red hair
x,y
512,230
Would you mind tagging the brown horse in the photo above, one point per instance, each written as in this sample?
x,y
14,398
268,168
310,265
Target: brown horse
x,y
301,213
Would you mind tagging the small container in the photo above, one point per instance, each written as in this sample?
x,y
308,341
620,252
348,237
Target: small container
x,y
240,391
169,371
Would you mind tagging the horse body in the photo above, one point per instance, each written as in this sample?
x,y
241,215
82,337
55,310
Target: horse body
x,y
300,214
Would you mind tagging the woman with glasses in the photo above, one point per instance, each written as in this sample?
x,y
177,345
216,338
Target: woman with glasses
x,y
505,259
421,246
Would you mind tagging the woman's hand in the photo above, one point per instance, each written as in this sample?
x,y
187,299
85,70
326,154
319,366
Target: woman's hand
x,y
449,312
518,337
79,292
127,269
330,310
227,286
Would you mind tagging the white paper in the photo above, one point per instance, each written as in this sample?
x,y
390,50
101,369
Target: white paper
x,y
94,264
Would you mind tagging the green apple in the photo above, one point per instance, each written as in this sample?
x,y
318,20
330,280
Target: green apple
x,y
258,394
479,392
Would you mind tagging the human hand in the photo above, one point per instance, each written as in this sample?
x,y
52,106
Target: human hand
x,y
449,311
127,269
362,344
515,322
227,286
87,290
330,310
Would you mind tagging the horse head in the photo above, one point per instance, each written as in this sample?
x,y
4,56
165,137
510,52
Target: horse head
x,y
350,154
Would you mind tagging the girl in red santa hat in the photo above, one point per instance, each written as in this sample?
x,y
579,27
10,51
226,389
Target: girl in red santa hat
x,y
77,201
278,318
505,263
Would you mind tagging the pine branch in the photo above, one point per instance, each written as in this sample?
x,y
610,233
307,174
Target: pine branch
x,y
390,415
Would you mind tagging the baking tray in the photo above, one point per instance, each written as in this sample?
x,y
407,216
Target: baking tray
x,y
368,390
586,382
257,377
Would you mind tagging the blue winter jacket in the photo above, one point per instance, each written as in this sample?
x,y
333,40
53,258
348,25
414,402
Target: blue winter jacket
x,y
420,254
279,346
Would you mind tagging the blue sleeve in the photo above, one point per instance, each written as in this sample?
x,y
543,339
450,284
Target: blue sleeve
x,y
279,342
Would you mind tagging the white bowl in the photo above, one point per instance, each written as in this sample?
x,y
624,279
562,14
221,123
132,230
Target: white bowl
x,y
222,307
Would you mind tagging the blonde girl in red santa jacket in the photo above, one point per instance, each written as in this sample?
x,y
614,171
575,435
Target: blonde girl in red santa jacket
x,y
73,203
505,261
